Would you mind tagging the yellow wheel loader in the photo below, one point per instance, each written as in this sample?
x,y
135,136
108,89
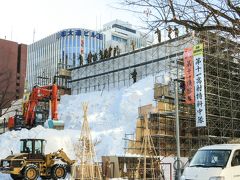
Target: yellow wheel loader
x,y
32,162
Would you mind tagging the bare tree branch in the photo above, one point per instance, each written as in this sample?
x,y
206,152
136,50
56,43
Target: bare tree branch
x,y
199,15
215,11
235,8
7,95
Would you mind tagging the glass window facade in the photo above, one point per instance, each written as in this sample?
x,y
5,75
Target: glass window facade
x,y
60,50
119,39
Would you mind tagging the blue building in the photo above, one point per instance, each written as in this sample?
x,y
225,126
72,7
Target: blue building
x,y
61,50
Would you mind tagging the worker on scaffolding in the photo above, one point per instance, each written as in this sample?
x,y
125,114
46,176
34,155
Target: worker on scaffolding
x,y
101,55
176,31
133,45
89,58
118,50
109,51
114,51
182,87
94,57
81,59
105,55
158,32
134,75
169,32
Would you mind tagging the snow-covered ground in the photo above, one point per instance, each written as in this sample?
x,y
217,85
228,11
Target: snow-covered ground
x,y
111,114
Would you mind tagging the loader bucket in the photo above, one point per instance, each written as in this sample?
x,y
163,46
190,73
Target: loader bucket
x,y
56,124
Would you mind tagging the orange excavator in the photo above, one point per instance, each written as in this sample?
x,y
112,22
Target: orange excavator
x,y
33,114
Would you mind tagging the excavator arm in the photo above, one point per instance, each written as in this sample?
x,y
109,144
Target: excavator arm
x,y
29,108
39,93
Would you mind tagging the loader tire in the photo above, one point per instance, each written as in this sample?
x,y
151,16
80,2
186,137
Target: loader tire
x,y
58,171
31,172
16,177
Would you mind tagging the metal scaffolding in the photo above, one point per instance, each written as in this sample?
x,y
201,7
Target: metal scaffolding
x,y
114,72
222,89
222,83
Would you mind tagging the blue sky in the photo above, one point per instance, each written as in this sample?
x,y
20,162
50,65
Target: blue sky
x,y
19,18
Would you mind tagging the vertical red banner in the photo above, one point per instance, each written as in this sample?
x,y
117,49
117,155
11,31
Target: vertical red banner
x,y
189,75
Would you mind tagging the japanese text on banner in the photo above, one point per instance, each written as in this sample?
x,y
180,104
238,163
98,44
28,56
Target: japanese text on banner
x,y
189,75
199,86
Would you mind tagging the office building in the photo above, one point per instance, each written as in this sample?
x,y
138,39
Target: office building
x,y
122,34
13,58
61,50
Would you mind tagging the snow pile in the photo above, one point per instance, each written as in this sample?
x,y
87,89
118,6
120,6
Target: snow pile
x,y
9,141
110,115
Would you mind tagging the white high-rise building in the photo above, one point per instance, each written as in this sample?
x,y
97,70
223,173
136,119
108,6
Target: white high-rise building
x,y
60,50
122,34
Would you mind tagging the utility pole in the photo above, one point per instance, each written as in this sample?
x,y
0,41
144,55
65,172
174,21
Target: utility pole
x,y
4,125
177,131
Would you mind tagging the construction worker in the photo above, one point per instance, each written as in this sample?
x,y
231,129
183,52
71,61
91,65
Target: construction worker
x,y
81,59
101,54
94,57
169,32
114,51
182,87
109,51
89,58
118,50
27,149
133,45
105,54
176,31
158,32
134,75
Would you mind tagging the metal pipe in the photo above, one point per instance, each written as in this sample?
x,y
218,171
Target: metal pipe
x,y
177,131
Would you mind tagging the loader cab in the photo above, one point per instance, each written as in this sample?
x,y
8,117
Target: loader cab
x,y
35,148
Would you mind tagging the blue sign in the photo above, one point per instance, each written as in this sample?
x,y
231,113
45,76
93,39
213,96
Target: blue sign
x,y
70,32
99,36
93,34
79,33
86,33
63,33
